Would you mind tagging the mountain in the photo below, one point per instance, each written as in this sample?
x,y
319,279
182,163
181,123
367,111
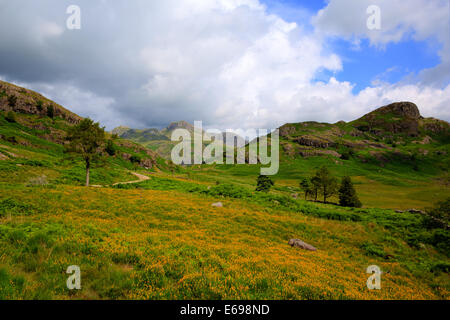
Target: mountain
x,y
160,140
394,131
132,241
32,133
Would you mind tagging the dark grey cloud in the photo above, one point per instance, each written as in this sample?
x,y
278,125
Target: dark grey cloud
x,y
146,63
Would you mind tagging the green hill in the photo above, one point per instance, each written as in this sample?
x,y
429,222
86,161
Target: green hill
x,y
163,239
32,143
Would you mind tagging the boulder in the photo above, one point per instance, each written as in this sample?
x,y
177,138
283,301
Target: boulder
x,y
302,245
217,205
416,211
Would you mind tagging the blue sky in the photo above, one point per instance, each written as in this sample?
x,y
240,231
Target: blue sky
x,y
367,63
230,63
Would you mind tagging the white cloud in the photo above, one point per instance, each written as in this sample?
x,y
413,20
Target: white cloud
x,y
400,20
229,63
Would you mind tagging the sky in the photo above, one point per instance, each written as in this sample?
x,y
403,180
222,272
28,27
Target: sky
x,y
233,64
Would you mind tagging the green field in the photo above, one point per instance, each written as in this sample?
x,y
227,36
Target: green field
x,y
162,238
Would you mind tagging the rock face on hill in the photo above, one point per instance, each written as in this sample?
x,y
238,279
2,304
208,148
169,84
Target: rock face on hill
x,y
396,118
401,109
21,100
381,135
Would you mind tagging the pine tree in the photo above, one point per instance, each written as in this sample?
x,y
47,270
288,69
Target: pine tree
x,y
347,194
264,183
305,185
325,183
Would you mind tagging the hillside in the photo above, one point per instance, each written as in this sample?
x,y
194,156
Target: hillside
x,y
163,239
398,159
160,140
33,141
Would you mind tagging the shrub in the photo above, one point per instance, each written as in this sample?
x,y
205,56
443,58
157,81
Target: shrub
x,y
11,206
51,111
264,183
135,159
11,139
439,216
372,249
10,117
440,267
39,105
12,100
228,190
110,148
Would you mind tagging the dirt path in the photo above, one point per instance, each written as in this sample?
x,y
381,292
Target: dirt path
x,y
141,178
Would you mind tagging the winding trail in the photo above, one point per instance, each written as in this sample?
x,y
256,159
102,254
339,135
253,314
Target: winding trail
x,y
141,178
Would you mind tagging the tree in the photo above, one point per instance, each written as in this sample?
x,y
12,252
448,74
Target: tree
x,y
110,148
315,186
347,194
305,185
264,183
86,139
326,183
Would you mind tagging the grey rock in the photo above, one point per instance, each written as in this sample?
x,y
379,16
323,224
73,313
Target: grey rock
x,y
302,245
218,204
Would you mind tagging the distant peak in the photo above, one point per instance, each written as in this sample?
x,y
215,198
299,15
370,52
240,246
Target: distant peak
x,y
180,125
402,109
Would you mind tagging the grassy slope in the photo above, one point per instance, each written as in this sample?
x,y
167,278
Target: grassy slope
x,y
32,156
164,240
158,244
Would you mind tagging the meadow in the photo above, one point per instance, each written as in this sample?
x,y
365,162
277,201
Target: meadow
x,y
162,238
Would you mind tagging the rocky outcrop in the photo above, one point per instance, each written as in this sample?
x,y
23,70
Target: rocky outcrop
x,y
305,153
18,99
297,243
396,118
401,109
315,142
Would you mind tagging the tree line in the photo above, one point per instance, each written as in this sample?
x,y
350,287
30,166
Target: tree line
x,y
325,185
322,184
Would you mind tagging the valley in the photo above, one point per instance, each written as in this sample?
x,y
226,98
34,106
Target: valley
x,y
161,238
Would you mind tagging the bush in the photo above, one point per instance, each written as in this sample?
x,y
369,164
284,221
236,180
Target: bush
x,y
264,183
50,111
372,249
10,117
135,159
228,190
11,206
440,267
439,216
39,105
12,100
110,148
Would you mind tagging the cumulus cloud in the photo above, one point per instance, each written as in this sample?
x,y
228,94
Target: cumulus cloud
x,y
230,63
401,20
